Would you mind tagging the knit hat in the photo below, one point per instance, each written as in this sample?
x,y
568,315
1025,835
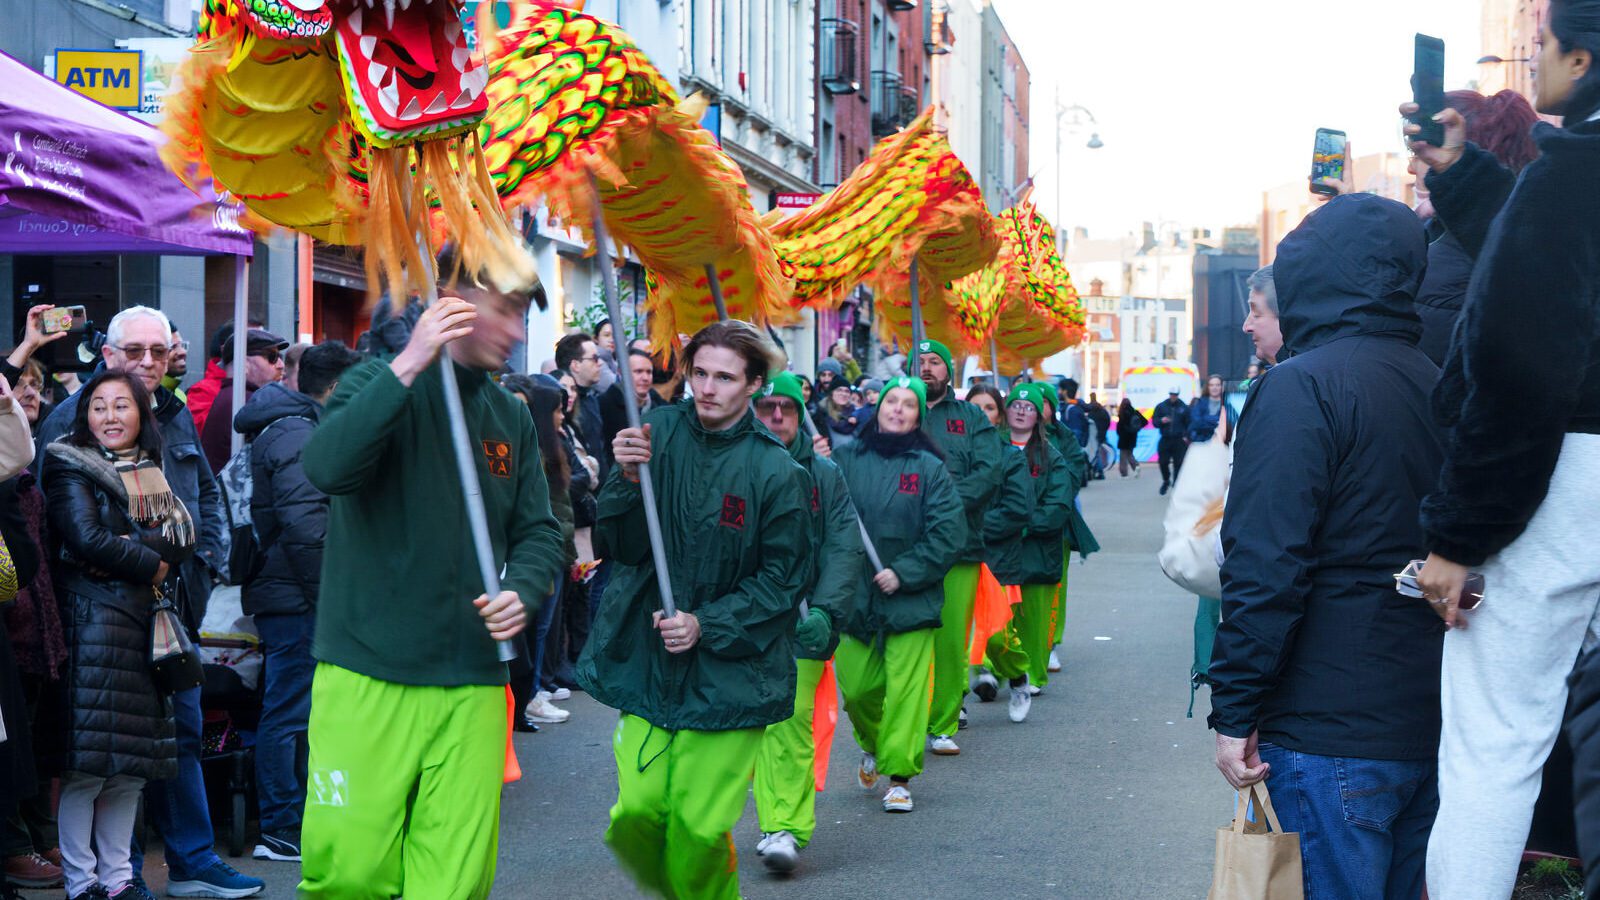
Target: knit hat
x,y
871,384
830,365
940,350
915,386
1049,393
1032,391
784,384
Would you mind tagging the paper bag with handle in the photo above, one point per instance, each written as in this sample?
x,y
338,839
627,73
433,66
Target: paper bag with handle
x,y
1252,862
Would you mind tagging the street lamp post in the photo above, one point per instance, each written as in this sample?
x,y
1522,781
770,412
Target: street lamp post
x,y
1081,118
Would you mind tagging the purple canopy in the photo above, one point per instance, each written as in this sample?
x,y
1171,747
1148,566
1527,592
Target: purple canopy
x,y
79,177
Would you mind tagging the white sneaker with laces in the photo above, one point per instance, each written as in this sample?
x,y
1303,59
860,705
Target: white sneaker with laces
x,y
779,853
942,745
540,709
867,775
1021,702
898,800
1034,690
560,694
1055,662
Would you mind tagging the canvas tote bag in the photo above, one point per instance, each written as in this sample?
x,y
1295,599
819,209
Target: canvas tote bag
x,y
1253,863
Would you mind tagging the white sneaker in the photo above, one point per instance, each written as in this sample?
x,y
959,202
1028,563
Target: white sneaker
x,y
1055,663
942,745
1021,702
1033,689
540,709
898,800
561,693
986,686
962,721
867,775
779,852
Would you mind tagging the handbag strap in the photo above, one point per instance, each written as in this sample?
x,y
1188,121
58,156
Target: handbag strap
x,y
1258,795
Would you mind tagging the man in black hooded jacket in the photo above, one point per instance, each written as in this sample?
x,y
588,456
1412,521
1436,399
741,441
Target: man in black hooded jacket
x,y
1326,679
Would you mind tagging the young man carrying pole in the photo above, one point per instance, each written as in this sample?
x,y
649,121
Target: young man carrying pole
x,y
697,690
972,455
408,715
786,794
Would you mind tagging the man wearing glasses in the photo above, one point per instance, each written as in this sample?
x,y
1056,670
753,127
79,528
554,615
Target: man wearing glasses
x,y
139,340
579,355
263,364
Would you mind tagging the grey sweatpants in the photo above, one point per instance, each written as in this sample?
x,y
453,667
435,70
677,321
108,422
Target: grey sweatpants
x,y
1504,683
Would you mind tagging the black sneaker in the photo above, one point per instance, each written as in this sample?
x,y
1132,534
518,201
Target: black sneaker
x,y
133,890
283,846
1164,487
94,893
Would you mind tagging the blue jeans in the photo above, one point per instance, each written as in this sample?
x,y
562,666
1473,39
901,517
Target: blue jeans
x,y
541,632
178,806
1363,823
285,713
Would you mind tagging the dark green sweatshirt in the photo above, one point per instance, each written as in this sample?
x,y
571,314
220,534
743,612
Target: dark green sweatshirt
x,y
737,527
972,458
1078,536
1032,554
399,571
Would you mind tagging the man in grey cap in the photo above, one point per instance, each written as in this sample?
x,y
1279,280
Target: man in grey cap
x,y
263,364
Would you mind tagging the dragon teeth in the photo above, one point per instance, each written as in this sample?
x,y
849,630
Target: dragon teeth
x,y
476,80
376,73
413,110
436,105
355,19
452,30
464,100
459,57
368,45
389,99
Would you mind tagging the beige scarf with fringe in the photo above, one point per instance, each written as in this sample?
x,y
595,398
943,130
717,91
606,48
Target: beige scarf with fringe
x,y
150,498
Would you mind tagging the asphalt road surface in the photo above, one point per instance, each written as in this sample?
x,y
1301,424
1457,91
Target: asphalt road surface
x,y
1107,791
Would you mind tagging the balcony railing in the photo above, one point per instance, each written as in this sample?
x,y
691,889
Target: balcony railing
x,y
840,56
910,105
888,103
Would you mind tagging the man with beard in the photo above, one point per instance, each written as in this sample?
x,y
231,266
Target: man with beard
x,y
972,456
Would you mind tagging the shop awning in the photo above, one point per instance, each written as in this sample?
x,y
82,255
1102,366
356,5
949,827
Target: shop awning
x,y
79,177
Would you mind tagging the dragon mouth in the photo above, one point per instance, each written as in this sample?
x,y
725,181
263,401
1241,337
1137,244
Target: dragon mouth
x,y
408,69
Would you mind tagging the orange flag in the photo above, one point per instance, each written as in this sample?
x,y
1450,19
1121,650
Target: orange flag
x,y
513,771
991,612
824,718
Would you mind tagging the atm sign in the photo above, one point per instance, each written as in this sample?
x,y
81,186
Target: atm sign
x,y
113,77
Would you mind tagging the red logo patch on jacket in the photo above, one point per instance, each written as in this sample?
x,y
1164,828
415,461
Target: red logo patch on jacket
x,y
733,511
1035,471
498,456
816,500
956,426
911,483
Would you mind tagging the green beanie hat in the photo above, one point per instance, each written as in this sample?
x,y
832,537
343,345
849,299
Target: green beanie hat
x,y
1049,393
1030,392
940,350
915,386
784,384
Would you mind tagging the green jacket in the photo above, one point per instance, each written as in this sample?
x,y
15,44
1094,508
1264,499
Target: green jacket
x,y
972,457
398,567
1032,553
1007,516
837,555
735,520
1078,536
914,515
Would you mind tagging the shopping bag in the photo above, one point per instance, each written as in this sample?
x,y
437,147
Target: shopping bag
x,y
1188,554
1252,862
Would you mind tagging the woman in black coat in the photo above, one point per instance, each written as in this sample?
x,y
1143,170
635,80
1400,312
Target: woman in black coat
x,y
1129,423
1517,493
122,532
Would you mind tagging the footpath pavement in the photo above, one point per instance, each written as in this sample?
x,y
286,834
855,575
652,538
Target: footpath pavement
x,y
1107,791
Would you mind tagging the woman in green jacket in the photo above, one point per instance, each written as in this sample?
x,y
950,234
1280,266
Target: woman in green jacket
x,y
914,516
1077,535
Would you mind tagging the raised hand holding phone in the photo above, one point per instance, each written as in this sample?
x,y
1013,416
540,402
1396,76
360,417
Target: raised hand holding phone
x,y
1427,90
1329,159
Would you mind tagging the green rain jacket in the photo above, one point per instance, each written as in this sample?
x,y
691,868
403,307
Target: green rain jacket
x,y
738,533
1032,553
838,555
1007,516
1077,535
399,570
914,515
972,458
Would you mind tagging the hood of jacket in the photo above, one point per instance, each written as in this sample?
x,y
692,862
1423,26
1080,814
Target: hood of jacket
x,y
271,403
1353,267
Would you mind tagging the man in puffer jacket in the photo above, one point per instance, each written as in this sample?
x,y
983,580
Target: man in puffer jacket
x,y
291,520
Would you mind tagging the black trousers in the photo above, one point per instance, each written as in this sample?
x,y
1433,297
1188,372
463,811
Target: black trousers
x,y
1171,450
1583,731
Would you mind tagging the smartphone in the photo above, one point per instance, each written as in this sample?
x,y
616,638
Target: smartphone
x,y
62,318
1427,89
1327,160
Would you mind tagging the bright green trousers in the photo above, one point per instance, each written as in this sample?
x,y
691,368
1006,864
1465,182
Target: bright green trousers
x,y
786,777
886,692
1004,654
403,788
1061,600
679,794
1035,622
950,648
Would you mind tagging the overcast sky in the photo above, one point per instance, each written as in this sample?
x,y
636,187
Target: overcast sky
x,y
1203,105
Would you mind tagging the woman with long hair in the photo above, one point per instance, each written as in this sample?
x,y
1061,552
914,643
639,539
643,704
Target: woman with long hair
x,y
123,533
1129,423
910,508
1521,477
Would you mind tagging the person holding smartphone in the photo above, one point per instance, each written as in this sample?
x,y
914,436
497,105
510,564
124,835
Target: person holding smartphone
x,y
1520,482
